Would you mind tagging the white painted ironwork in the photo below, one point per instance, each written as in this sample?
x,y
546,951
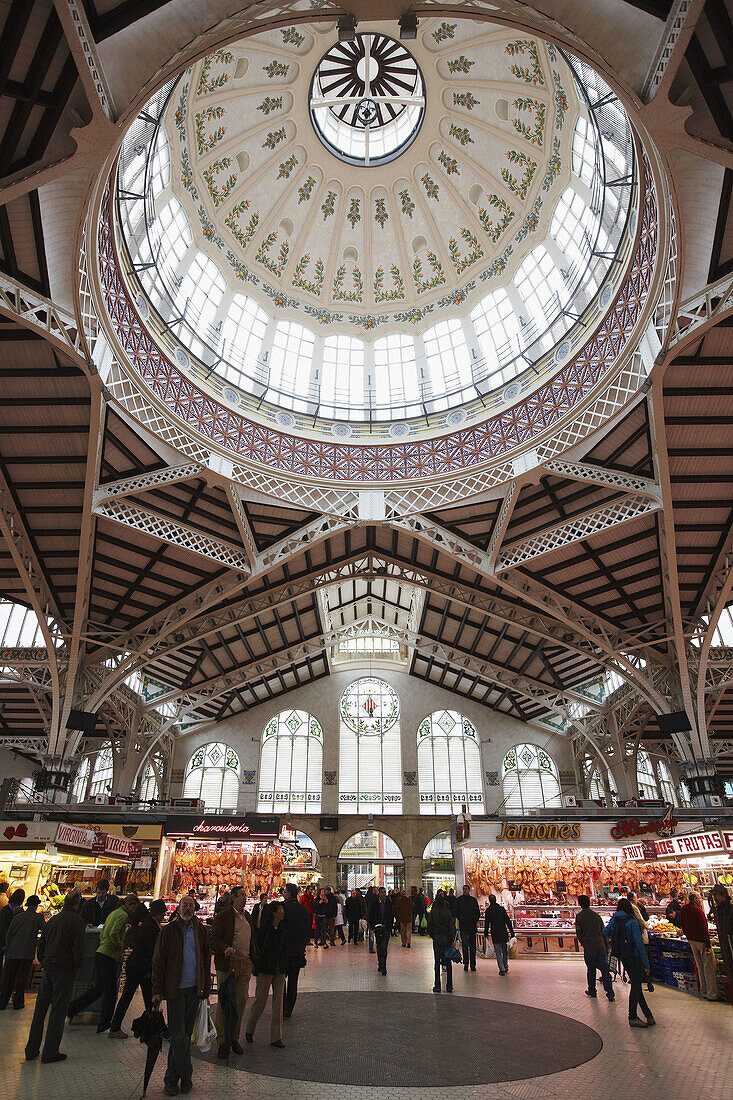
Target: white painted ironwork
x,y
153,479
672,31
35,312
598,475
575,530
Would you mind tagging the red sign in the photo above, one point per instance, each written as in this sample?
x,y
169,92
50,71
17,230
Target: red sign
x,y
633,827
99,844
136,849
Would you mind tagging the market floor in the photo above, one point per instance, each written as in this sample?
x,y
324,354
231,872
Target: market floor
x,y
530,1035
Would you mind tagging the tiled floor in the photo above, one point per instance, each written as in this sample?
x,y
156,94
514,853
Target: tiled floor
x,y
690,1051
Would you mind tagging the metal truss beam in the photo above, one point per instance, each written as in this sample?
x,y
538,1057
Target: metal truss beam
x,y
33,311
35,745
597,475
240,518
183,621
83,48
677,33
701,311
191,700
597,631
142,483
172,532
573,530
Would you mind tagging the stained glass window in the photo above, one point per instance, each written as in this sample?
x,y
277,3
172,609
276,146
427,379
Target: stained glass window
x,y
530,779
291,764
370,753
213,774
449,764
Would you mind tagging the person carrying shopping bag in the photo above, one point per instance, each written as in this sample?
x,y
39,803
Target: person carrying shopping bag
x,y
442,931
271,968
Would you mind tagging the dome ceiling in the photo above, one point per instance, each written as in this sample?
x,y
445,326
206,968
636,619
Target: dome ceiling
x,y
377,245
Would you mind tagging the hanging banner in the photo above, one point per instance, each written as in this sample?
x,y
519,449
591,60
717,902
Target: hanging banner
x,y
696,844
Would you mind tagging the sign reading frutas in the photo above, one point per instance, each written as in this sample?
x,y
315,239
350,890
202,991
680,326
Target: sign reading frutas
x,y
696,844
544,830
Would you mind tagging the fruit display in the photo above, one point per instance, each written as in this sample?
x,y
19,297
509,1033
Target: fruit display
x,y
489,870
209,865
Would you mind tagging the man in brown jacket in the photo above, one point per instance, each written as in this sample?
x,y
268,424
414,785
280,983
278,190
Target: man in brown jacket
x,y
233,942
403,911
181,975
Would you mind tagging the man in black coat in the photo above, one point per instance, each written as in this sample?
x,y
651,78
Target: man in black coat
x,y
297,922
60,950
139,965
352,912
380,920
468,915
420,911
96,910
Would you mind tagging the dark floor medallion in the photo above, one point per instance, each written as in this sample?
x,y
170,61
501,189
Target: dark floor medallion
x,y
403,1039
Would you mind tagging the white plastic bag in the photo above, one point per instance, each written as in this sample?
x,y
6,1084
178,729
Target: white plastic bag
x,y
204,1032
512,942
363,925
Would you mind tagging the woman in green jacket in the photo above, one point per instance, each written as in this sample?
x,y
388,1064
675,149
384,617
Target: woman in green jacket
x,y
107,965
442,931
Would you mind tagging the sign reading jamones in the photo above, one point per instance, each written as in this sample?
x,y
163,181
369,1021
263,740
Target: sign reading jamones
x,y
542,831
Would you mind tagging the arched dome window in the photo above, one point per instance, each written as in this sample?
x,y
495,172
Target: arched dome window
x,y
212,773
594,786
449,764
103,772
370,753
530,779
19,626
645,778
291,764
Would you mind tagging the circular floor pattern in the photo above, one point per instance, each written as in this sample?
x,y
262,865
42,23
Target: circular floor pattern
x,y
416,1039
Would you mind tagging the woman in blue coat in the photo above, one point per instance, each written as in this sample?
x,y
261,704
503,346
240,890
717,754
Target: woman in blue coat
x,y
627,945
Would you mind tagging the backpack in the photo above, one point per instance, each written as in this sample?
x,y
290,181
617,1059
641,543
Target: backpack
x,y
623,945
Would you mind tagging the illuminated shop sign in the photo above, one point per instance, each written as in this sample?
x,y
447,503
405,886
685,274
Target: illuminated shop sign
x,y
249,827
634,827
544,831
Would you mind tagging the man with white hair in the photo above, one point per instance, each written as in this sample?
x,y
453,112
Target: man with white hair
x,y
61,950
181,976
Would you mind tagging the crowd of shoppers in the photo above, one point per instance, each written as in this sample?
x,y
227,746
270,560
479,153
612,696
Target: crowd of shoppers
x,y
170,961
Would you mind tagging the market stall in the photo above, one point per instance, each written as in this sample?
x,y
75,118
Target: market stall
x,y
49,857
300,858
438,865
213,852
537,870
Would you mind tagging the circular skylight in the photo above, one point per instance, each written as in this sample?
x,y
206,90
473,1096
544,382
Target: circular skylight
x,y
457,276
367,99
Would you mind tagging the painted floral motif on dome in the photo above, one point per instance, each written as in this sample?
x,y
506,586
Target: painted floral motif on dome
x,y
271,103
522,160
495,229
209,84
461,133
427,282
276,266
206,142
535,132
243,236
354,214
408,206
273,138
286,167
431,187
275,68
465,99
219,191
329,205
460,65
531,73
444,32
304,191
314,285
397,291
291,37
449,163
340,292
474,253
380,211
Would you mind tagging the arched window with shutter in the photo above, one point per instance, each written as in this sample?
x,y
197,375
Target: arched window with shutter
x,y
449,764
530,779
370,752
291,764
212,773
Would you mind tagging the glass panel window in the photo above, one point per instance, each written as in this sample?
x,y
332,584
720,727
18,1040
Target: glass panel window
x,y
19,626
645,776
584,151
370,753
540,286
291,358
79,786
530,779
448,358
160,175
291,764
200,292
212,773
149,784
243,330
449,764
667,788
341,374
395,370
103,771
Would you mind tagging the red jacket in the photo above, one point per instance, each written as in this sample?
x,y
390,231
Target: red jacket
x,y
694,924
